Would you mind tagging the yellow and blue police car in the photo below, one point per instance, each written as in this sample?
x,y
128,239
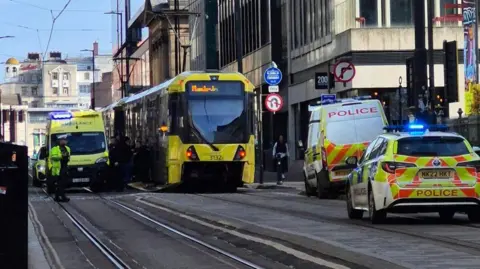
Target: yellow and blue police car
x,y
412,169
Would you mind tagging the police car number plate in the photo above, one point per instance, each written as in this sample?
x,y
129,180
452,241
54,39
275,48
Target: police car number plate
x,y
80,180
436,174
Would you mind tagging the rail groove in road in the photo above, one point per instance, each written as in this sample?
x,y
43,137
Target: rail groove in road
x,y
106,251
181,234
309,215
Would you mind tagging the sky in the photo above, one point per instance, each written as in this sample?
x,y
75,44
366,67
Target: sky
x,y
82,23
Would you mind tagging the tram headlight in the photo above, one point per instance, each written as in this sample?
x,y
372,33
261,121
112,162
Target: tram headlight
x,y
240,154
191,154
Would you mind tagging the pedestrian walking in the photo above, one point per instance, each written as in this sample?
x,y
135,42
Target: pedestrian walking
x,y
59,158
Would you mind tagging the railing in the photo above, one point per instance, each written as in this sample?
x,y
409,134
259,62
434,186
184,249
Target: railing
x,y
468,127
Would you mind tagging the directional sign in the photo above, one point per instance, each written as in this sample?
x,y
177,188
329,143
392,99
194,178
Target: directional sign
x,y
344,71
321,81
273,102
273,88
328,98
272,76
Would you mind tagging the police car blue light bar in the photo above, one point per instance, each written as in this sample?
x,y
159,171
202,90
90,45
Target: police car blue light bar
x,y
416,128
60,115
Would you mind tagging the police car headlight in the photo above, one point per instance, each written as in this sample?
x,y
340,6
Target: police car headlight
x,y
102,160
41,168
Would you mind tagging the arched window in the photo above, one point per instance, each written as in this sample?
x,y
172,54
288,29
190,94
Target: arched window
x,y
7,69
14,69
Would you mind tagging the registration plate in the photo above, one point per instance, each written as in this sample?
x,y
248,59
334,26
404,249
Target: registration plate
x,y
342,173
80,180
436,174
216,157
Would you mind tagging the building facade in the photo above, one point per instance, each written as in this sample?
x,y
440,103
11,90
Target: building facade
x,y
24,78
376,36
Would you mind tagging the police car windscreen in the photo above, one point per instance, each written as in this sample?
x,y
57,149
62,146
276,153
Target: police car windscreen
x,y
354,123
83,143
432,146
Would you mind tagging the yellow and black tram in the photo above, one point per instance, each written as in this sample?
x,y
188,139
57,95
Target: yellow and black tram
x,y
199,125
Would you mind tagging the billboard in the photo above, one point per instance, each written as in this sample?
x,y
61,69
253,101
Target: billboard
x,y
470,39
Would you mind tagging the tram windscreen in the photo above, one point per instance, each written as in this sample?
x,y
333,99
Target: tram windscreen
x,y
217,111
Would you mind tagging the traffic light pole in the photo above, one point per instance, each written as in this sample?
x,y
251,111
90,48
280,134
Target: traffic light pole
x,y
431,71
420,53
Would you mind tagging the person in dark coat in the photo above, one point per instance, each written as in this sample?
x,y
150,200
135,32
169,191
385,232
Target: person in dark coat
x,y
141,163
114,159
281,147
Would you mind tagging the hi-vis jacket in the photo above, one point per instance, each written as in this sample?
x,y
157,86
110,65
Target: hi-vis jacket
x,y
55,159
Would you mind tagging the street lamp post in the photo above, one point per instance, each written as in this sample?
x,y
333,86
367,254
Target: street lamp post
x,y
121,43
92,92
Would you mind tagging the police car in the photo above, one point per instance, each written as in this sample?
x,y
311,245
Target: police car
x,y
415,168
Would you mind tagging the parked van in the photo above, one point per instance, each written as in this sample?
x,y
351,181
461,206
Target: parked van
x,y
86,139
337,131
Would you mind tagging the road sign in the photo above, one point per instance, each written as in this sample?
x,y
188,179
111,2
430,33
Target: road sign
x,y
328,98
273,102
344,71
321,81
274,88
272,76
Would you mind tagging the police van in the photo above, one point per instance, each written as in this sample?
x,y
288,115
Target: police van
x,y
337,131
85,132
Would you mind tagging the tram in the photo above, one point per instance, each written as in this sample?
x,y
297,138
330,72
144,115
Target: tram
x,y
199,125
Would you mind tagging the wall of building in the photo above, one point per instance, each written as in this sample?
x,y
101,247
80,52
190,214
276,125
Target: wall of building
x,y
140,76
103,90
60,85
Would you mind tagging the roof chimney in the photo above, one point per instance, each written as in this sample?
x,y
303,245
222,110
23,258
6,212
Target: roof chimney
x,y
95,48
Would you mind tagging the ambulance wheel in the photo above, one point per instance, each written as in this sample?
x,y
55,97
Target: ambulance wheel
x,y
322,185
352,212
446,215
376,216
309,191
474,216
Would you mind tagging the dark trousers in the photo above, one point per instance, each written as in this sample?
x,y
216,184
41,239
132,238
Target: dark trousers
x,y
62,182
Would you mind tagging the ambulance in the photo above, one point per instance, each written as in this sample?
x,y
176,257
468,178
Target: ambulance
x,y
85,133
337,131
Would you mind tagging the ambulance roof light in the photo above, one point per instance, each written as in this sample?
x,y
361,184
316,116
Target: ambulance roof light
x,y
60,115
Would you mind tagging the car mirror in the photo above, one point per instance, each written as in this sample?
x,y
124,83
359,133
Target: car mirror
x,y
352,160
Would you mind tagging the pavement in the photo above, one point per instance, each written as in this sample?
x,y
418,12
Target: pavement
x,y
36,256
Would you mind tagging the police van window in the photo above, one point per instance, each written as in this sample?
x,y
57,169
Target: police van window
x,y
375,127
341,132
367,152
313,135
432,146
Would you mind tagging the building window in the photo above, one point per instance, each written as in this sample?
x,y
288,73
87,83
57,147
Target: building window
x,y
55,76
65,90
25,103
34,91
24,91
401,12
368,10
65,76
14,69
86,76
84,88
55,90
7,69
447,11
21,78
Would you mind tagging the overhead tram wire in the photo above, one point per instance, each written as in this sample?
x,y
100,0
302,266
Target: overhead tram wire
x,y
48,9
54,19
56,30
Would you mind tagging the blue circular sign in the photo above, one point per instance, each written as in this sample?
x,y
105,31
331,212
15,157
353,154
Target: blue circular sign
x,y
272,76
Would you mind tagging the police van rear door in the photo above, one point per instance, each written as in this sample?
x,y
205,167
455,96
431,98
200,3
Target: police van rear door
x,y
350,128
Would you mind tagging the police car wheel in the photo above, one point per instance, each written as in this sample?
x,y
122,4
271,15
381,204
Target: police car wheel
x,y
474,216
376,216
352,212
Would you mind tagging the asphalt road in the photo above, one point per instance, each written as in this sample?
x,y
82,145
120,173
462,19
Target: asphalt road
x,y
270,228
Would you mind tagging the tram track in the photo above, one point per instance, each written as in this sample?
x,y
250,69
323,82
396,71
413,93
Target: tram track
x,y
118,262
465,246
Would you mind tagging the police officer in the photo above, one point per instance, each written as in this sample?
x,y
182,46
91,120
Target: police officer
x,y
59,157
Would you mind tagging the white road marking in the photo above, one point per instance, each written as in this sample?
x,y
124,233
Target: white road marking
x,y
276,245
